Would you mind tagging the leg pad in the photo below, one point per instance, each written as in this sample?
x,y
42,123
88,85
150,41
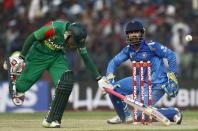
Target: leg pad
x,y
62,93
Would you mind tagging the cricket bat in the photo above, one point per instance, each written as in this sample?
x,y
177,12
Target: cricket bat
x,y
150,111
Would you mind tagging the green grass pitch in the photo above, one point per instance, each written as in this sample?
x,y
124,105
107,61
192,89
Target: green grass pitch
x,y
89,121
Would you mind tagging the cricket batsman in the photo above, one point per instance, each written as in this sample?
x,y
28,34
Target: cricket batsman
x,y
44,50
164,79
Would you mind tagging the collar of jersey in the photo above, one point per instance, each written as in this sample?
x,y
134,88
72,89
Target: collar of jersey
x,y
141,46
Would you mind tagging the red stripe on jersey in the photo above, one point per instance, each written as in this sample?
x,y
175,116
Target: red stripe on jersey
x,y
49,33
48,23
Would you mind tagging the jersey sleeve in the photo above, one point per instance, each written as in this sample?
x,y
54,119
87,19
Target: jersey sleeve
x,y
88,62
44,32
40,34
164,52
27,45
117,60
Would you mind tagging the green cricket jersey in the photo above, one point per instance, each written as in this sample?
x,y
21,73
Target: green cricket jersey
x,y
49,39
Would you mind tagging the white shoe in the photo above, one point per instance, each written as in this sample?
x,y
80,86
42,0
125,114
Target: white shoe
x,y
18,98
53,124
178,117
114,120
117,120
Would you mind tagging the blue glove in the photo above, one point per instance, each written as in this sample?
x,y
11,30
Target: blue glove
x,y
171,87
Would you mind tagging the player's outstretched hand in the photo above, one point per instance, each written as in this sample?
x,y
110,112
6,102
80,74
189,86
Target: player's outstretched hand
x,y
171,87
103,82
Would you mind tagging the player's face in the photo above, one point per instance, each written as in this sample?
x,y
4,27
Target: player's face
x,y
133,38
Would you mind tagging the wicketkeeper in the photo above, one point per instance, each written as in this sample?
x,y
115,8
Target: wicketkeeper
x,y
164,79
43,50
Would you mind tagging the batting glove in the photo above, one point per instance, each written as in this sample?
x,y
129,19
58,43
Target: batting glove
x,y
17,64
103,82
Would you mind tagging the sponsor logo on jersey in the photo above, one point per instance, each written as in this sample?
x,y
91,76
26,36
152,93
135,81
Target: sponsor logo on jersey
x,y
51,45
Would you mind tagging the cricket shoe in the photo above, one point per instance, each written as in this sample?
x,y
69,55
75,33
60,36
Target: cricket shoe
x,y
18,98
178,117
117,120
53,124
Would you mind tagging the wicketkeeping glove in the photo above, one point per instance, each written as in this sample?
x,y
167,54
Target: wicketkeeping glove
x,y
103,82
171,87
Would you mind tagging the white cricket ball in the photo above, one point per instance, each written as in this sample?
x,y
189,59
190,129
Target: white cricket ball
x,y
188,38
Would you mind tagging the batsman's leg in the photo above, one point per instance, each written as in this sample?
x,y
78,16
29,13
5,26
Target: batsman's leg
x,y
62,93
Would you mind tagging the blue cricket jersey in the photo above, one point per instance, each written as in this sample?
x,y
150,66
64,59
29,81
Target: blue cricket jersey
x,y
153,52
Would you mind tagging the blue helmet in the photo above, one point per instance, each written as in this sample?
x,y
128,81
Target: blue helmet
x,y
134,26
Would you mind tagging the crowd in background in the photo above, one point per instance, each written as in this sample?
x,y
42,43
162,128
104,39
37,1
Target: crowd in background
x,y
166,21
